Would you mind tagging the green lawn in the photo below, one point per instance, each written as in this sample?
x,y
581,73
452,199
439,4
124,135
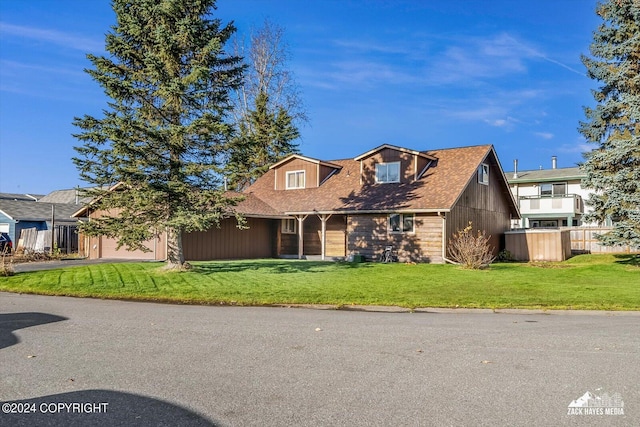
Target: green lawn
x,y
600,282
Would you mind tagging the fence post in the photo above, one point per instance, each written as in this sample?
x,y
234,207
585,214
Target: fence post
x,y
53,224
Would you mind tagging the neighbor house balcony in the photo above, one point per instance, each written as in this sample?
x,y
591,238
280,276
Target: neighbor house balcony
x,y
561,204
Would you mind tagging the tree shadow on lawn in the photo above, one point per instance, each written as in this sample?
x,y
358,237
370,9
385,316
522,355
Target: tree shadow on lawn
x,y
631,259
12,321
273,266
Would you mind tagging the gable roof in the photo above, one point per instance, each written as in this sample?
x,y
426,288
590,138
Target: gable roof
x,y
393,147
436,191
21,210
24,197
307,159
65,196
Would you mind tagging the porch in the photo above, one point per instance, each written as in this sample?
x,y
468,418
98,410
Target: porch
x,y
313,236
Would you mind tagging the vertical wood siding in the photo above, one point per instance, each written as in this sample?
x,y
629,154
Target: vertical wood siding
x,y
335,236
486,206
325,171
229,242
388,155
310,173
312,235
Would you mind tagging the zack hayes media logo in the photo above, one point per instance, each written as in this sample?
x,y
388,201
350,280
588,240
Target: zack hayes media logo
x,y
592,404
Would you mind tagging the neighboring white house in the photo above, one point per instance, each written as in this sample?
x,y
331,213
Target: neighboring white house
x,y
549,197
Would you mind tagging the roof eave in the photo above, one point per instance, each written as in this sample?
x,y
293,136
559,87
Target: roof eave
x,y
393,147
366,211
307,159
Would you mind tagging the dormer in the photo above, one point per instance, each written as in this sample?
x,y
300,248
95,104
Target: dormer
x,y
389,164
297,172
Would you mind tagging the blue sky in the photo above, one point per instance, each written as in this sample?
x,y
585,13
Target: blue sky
x,y
424,75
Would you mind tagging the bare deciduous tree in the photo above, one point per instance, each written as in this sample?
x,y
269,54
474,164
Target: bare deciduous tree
x,y
266,58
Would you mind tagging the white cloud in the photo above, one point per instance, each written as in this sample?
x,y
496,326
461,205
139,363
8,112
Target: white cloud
x,y
544,135
368,47
580,146
60,38
499,123
368,72
19,68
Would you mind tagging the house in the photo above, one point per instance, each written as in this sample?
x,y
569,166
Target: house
x,y
69,196
549,197
23,197
17,215
303,207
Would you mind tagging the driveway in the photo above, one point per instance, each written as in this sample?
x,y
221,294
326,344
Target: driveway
x,y
126,363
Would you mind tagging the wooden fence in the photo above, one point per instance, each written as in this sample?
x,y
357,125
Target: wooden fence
x,y
34,240
539,244
584,241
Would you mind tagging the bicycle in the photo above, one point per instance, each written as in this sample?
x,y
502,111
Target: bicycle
x,y
387,255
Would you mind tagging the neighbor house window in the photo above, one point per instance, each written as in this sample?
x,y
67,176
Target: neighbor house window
x,y
401,223
483,174
289,226
556,189
295,179
387,172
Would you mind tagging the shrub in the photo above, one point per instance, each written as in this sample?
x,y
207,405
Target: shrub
x,y
505,256
6,267
471,250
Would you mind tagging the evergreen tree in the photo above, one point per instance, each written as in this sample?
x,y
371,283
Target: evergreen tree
x,y
264,137
267,107
613,167
164,138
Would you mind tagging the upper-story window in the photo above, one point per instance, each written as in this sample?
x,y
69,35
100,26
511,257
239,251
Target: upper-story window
x,y
483,174
556,189
295,179
387,172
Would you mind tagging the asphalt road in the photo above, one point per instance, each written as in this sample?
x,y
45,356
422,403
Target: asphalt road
x,y
90,362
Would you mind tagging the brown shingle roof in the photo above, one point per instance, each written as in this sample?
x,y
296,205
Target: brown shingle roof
x,y
252,205
438,189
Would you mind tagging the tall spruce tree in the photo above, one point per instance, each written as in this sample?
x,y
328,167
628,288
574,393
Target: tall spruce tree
x,y
613,167
264,137
164,137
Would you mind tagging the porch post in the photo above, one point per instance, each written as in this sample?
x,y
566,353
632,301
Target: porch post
x,y
301,235
570,221
323,234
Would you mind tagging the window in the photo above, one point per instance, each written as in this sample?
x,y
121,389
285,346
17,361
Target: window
x,y
483,174
546,189
556,189
560,189
401,223
295,179
289,226
387,172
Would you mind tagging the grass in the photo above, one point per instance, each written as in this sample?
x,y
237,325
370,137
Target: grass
x,y
597,282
